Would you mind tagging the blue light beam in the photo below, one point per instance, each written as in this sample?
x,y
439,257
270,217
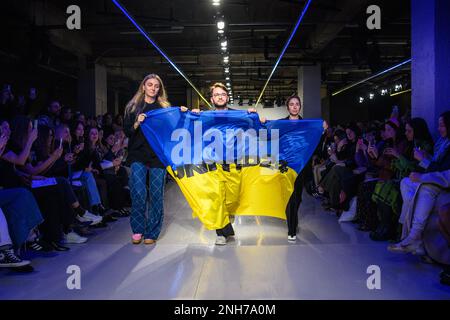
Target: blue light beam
x,y
153,43
284,49
371,77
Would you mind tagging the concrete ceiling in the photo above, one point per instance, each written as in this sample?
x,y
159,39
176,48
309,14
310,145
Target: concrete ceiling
x,y
333,33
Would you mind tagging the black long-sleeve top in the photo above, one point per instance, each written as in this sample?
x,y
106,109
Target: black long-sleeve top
x,y
138,148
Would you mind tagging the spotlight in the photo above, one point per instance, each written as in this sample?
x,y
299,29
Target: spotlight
x,y
371,96
226,59
384,92
227,70
216,3
361,99
223,44
220,31
398,87
227,78
220,25
228,84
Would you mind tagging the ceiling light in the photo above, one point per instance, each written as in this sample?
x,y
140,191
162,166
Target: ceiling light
x,y
220,25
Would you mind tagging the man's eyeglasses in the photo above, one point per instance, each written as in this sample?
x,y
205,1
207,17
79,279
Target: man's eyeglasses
x,y
216,95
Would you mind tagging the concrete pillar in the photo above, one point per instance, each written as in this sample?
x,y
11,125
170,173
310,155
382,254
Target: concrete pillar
x,y
430,71
116,102
101,89
192,99
309,86
92,89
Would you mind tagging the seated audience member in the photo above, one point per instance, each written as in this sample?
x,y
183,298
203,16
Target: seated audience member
x,y
55,197
420,190
381,161
387,194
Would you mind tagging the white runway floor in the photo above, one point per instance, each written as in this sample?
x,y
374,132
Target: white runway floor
x,y
329,261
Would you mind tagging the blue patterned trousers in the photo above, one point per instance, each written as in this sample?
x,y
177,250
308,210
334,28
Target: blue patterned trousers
x,y
147,203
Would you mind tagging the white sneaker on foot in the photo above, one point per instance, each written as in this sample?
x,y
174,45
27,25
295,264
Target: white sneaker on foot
x,y
292,238
89,217
73,237
221,241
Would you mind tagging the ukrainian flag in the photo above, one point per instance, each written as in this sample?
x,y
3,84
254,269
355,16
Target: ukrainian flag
x,y
229,163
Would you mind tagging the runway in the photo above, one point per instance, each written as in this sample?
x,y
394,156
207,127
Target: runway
x,y
329,261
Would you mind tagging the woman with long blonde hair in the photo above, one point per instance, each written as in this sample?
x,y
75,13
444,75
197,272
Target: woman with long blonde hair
x,y
146,201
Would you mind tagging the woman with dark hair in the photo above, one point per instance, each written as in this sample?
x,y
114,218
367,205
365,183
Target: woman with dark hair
x,y
56,201
336,180
387,194
89,160
419,197
116,175
294,106
147,200
77,132
19,216
118,122
46,155
73,164
339,152
441,156
381,158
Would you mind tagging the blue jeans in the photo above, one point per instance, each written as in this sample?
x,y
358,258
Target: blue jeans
x,y
88,181
147,202
22,213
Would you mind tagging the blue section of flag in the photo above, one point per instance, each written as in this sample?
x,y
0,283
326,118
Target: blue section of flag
x,y
168,129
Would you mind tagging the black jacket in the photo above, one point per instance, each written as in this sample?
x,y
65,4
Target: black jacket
x,y
287,118
138,148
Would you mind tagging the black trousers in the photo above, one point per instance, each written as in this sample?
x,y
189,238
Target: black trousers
x,y
116,182
293,205
226,231
56,211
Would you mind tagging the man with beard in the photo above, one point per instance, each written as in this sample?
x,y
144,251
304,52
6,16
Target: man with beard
x,y
219,99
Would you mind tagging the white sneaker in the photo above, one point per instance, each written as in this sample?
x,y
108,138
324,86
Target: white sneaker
x,y
221,241
89,217
73,237
292,238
